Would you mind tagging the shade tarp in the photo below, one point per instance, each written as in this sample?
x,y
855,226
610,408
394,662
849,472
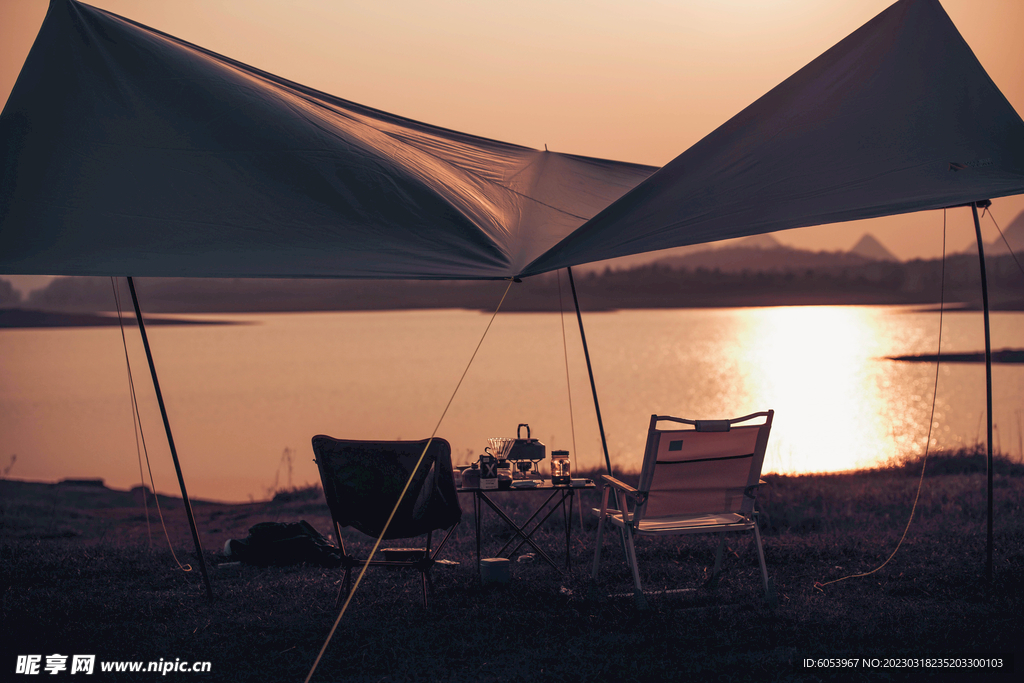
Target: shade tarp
x,y
126,151
899,116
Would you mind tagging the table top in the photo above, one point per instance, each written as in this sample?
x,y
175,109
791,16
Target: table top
x,y
545,485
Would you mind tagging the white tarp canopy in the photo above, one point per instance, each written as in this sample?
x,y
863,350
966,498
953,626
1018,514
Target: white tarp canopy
x,y
126,151
899,116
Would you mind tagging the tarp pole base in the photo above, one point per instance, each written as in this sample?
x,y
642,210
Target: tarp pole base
x,y
170,442
988,383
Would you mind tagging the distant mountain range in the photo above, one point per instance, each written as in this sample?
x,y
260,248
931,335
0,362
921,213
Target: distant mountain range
x,y
1013,232
870,248
757,271
765,254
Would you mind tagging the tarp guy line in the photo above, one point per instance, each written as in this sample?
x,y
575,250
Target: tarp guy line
x,y
136,421
170,442
988,212
931,421
412,474
568,388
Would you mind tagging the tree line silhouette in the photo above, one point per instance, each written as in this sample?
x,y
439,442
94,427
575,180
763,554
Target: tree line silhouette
x,y
655,285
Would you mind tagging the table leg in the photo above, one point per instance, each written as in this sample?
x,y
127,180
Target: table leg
x,y
527,523
567,517
519,531
476,524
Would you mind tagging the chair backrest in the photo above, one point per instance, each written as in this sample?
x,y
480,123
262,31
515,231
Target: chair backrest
x,y
363,479
704,469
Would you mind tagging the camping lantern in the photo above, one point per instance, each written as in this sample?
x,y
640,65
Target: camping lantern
x,y
560,468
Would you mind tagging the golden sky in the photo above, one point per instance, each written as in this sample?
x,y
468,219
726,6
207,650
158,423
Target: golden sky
x,y
635,81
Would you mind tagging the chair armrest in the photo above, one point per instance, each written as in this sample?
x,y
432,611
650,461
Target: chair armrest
x,y
622,486
639,497
751,491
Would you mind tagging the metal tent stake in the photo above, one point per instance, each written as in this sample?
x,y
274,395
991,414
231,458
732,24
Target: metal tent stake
x,y
170,442
988,381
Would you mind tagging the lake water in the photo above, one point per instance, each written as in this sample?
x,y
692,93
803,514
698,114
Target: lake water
x,y
245,399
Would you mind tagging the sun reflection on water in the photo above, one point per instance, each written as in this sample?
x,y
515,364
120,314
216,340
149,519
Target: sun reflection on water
x,y
814,366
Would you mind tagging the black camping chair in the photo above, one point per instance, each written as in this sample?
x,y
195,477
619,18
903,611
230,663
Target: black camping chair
x,y
362,481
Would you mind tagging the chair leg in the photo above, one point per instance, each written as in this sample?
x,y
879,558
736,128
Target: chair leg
x,y
343,591
713,581
638,593
623,507
444,540
423,572
769,589
597,548
348,570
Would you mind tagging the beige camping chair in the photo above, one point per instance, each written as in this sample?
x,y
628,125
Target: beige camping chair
x,y
698,480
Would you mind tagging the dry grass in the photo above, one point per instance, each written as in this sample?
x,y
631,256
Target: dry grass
x,y
77,575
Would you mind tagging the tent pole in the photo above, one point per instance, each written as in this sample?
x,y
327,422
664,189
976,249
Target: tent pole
x,y
170,441
590,371
597,408
988,382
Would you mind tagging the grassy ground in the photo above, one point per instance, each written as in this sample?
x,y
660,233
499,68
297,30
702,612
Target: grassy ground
x,y
78,575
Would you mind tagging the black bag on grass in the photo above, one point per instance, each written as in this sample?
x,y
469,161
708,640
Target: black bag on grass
x,y
280,544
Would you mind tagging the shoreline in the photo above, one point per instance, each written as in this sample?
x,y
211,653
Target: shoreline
x,y
91,492
28,318
1002,356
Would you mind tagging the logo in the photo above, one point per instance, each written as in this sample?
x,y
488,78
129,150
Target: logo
x,y
956,166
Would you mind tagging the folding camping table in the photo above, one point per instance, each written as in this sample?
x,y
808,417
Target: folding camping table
x,y
556,498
